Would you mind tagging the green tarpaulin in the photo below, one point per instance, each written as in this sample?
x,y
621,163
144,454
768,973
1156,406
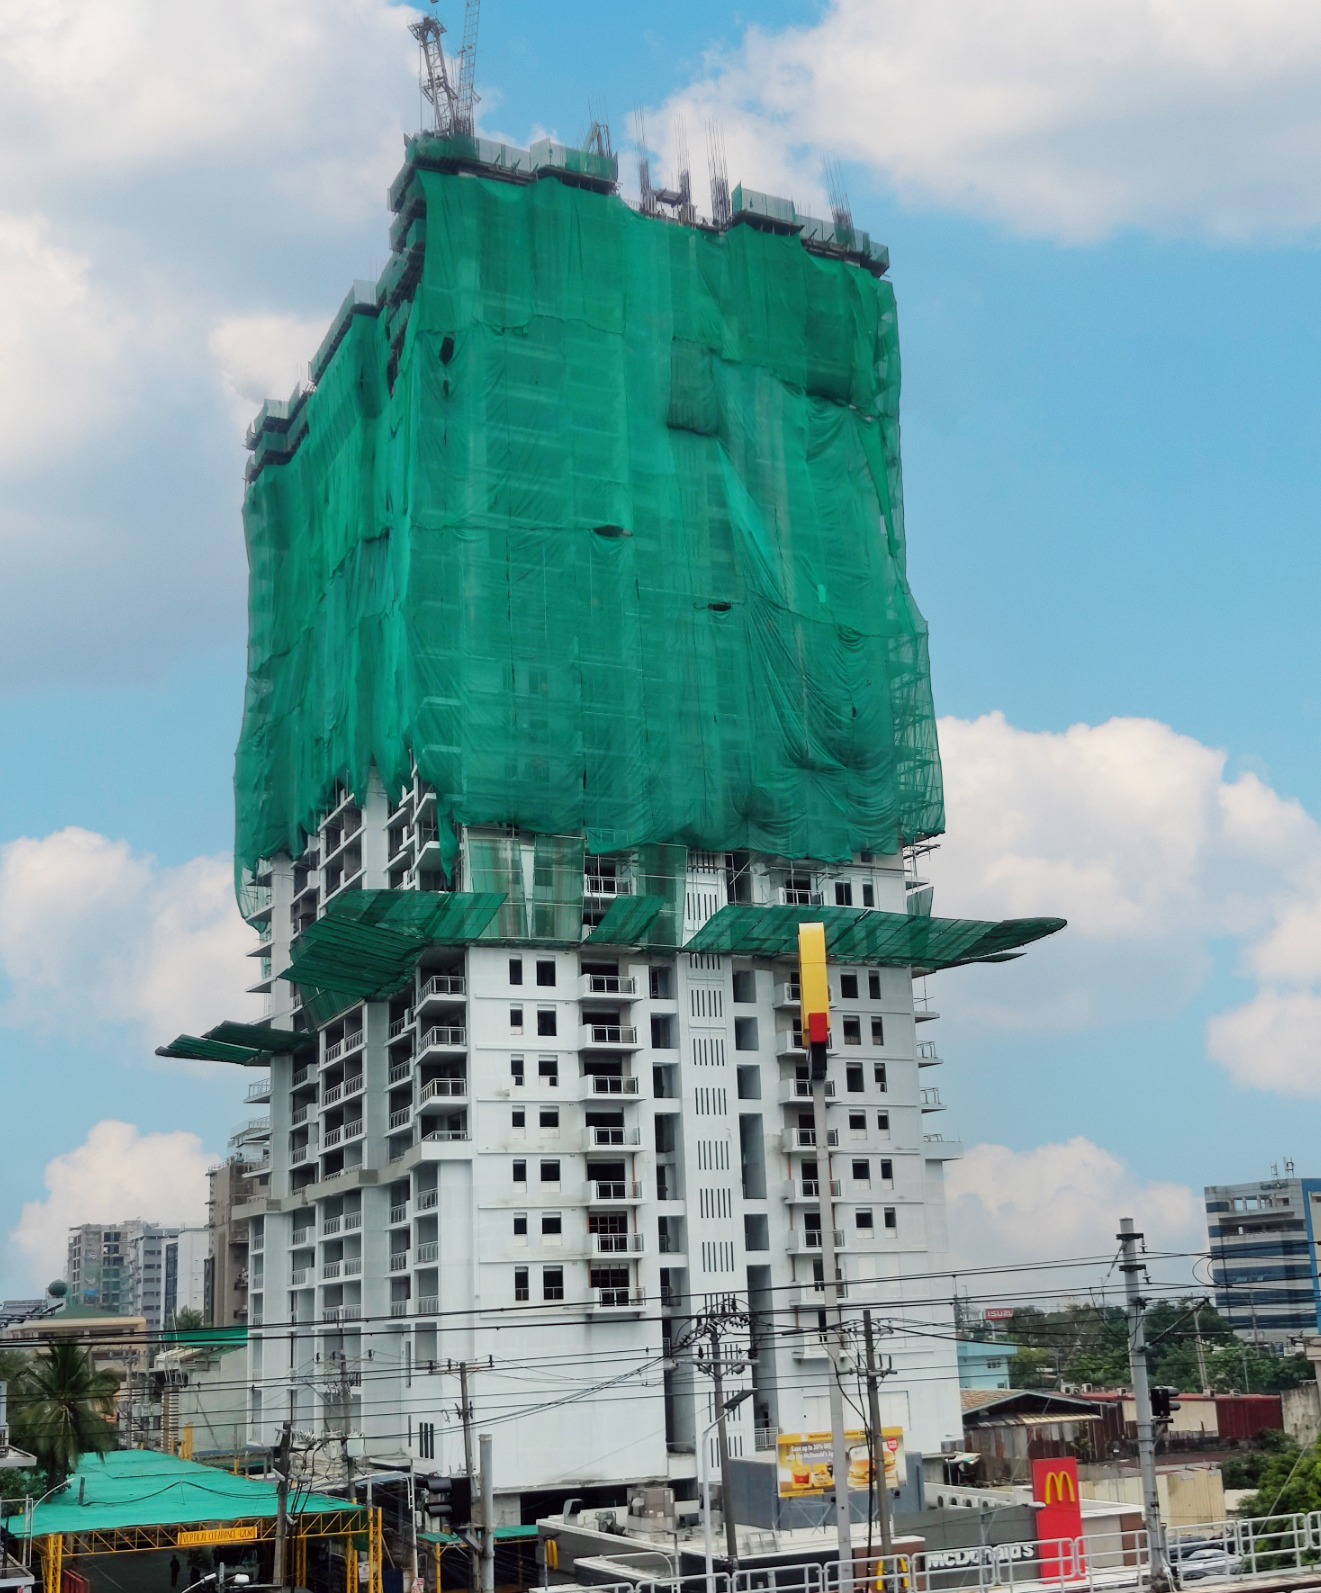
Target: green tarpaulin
x,y
860,935
598,519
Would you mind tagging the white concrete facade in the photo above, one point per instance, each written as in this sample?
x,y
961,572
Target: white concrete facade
x,y
544,1160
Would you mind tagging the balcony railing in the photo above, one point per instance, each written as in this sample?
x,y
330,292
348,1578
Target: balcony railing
x,y
445,1135
427,1199
616,1136
400,1118
812,1238
613,1190
299,1115
429,1251
343,1313
931,1101
399,1071
798,896
299,1277
347,1087
260,1091
445,1038
401,1025
810,1189
398,1307
332,1269
398,1260
620,1299
398,1214
606,885
608,985
609,1034
300,1237
796,1139
801,1090
350,1042
607,1084
927,1055
351,1220
429,1305
618,1244
445,1089
444,985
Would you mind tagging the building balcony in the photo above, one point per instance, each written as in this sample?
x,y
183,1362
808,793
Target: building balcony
x,y
804,1139
606,885
796,896
343,1313
429,1305
427,1199
402,1028
345,1222
808,1191
618,1301
804,1241
256,1128
302,1074
299,1154
301,1277
428,1252
811,1296
342,1135
399,1307
259,1093
788,995
618,1244
399,1261
401,1117
345,1047
444,1089
300,1237
343,1091
931,1101
602,1138
608,1037
443,1136
613,1192
936,1148
330,1270
442,1038
300,1115
927,1055
595,986
789,1043
798,1092
595,1085
441,990
398,1215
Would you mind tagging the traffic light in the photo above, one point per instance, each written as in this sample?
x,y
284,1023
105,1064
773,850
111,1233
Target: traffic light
x,y
448,1499
1163,1404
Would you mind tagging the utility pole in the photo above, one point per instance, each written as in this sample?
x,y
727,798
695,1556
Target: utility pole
x,y
877,1440
1130,1266
345,1424
814,987
488,1514
465,1416
283,1464
1201,1349
722,1442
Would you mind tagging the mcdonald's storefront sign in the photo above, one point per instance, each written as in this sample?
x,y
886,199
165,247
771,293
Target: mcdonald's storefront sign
x,y
1055,1489
1059,1486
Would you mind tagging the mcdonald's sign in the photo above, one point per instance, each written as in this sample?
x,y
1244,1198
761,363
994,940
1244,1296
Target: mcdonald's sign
x,y
1055,1489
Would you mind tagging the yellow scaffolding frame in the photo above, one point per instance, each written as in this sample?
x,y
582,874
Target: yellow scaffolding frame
x,y
55,1549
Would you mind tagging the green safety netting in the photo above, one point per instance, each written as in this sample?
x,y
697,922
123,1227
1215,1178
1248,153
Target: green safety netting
x,y
141,1488
861,935
628,921
196,1048
247,1045
368,942
599,520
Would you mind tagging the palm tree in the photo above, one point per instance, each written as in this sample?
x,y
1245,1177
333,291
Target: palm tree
x,y
63,1408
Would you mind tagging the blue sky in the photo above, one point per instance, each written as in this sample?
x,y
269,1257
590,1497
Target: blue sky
x,y
1110,335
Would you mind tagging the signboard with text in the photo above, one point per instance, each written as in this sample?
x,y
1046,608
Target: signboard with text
x,y
213,1537
806,1462
1055,1488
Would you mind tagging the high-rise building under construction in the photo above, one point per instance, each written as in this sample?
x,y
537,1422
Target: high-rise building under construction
x,y
583,668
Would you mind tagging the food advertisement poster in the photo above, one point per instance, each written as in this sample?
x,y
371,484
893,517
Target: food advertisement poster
x,y
806,1462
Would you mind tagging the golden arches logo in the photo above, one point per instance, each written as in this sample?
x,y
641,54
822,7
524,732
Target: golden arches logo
x,y
1058,1484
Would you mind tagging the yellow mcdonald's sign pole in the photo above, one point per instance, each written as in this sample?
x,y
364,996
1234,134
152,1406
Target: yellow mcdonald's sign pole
x,y
814,1008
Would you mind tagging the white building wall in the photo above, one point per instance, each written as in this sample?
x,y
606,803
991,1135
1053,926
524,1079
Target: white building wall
x,y
407,1254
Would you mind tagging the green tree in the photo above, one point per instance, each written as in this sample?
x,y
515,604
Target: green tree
x,y
61,1408
1290,1484
1032,1368
188,1319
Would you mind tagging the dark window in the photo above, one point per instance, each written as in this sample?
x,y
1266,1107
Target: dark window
x,y
550,1172
548,1070
879,1074
520,1224
878,1031
516,1069
862,1171
843,894
852,1028
545,971
516,1019
662,985
552,1222
869,896
521,1291
874,986
887,1170
515,970
745,986
853,1078
520,1172
745,1034
891,1221
552,1283
883,1122
756,1231
549,1117
848,987
517,1117
546,1020
662,1031
857,1120
863,1219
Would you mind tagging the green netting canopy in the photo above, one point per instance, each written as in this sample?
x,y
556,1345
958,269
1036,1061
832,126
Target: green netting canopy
x,y
861,935
141,1488
599,520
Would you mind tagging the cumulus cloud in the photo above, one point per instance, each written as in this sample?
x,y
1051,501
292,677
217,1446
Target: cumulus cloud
x,y
87,924
1061,1201
263,356
1156,855
1196,116
117,1173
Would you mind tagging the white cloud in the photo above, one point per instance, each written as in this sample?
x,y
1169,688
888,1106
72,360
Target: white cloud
x,y
117,1173
1069,120
1156,855
1061,1202
89,926
263,356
